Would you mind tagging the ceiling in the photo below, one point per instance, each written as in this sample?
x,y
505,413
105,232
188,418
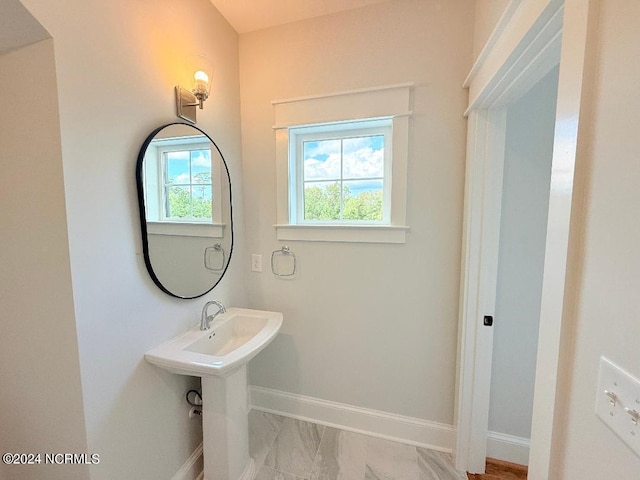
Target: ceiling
x,y
249,15
17,27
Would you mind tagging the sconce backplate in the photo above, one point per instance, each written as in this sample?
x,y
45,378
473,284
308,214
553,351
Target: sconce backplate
x,y
186,104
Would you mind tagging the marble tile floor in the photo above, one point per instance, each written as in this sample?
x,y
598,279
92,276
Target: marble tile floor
x,y
288,449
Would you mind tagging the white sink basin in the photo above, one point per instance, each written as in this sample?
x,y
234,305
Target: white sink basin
x,y
235,338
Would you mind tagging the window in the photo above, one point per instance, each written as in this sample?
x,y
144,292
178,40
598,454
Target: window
x,y
186,173
341,166
339,173
182,179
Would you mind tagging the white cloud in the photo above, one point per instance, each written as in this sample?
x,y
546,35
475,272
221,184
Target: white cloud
x,y
360,163
364,163
322,148
202,160
351,145
182,178
322,169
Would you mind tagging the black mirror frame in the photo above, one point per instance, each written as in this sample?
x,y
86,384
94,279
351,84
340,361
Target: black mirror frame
x,y
143,214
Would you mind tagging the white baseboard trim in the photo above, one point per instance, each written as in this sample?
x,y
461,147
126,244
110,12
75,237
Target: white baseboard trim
x,y
192,468
391,426
410,430
508,448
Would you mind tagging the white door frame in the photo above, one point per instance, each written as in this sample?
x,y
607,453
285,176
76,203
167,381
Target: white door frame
x,y
530,39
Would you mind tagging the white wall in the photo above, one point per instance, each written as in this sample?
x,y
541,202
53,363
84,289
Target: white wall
x,y
608,278
370,325
525,202
41,406
487,14
178,261
117,63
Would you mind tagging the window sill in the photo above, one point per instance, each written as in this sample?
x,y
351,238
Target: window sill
x,y
186,229
343,233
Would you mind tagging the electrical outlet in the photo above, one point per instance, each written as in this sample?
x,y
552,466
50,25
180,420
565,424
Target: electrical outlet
x,y
618,403
256,262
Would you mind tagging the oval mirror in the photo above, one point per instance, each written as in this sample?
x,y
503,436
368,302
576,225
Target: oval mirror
x,y
184,194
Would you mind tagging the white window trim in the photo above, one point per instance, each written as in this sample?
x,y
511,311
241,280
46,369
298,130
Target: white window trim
x,y
297,137
391,102
186,227
216,210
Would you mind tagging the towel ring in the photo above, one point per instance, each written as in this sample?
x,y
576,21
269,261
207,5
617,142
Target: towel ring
x,y
284,251
217,248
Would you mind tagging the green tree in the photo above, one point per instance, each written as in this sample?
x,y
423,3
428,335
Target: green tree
x,y
324,204
202,178
202,205
182,204
179,202
202,195
364,206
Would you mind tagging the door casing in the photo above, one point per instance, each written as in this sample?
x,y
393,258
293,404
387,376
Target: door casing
x,y
531,38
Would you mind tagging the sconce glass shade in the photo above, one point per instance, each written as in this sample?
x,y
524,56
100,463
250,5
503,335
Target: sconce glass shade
x,y
203,73
188,100
201,86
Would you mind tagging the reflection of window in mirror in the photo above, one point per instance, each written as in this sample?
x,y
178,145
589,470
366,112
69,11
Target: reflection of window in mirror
x,y
186,178
181,184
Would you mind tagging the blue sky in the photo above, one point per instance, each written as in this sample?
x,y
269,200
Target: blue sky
x,y
178,164
362,158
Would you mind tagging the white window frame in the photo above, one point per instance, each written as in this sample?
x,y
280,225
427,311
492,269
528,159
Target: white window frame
x,y
162,175
336,131
157,222
293,116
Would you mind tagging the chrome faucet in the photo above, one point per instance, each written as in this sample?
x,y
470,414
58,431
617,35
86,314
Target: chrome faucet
x,y
206,319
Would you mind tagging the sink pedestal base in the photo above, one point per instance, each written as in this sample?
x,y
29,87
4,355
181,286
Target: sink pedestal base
x,y
225,427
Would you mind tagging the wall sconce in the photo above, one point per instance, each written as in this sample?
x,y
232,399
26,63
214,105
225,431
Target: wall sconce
x,y
187,101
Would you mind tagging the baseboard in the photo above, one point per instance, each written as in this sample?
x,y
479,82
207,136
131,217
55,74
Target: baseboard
x,y
192,468
508,448
413,431
410,430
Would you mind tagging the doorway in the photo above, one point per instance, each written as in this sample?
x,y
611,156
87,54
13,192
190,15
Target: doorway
x,y
531,39
530,122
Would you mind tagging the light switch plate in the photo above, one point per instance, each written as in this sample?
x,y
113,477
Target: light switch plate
x,y
618,403
256,262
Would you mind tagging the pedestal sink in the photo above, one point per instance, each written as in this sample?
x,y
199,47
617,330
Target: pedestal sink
x,y
220,356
